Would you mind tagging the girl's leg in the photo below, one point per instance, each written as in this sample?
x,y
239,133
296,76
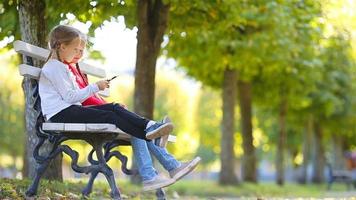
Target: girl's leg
x,y
176,169
80,114
151,128
139,146
166,159
121,111
131,116
150,178
143,159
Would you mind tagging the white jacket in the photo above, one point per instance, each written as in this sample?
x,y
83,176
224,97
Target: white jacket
x,y
58,89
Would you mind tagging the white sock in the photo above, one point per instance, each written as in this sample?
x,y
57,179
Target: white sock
x,y
150,123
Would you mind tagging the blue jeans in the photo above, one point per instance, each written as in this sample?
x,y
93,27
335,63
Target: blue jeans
x,y
141,149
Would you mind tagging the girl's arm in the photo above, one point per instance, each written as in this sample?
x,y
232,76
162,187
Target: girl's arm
x,y
58,76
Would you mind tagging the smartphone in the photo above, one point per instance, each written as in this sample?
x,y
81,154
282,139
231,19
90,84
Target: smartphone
x,y
111,78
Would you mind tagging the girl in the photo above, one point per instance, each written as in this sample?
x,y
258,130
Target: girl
x,y
61,97
141,148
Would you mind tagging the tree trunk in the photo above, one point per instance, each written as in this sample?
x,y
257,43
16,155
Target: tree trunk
x,y
281,143
152,18
338,157
306,151
25,168
227,174
318,155
248,165
33,31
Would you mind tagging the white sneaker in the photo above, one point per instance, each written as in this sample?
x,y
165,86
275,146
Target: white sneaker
x,y
184,169
158,129
157,182
163,140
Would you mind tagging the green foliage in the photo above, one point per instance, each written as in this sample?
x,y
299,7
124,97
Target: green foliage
x,y
208,125
174,98
96,55
9,24
12,126
94,12
283,49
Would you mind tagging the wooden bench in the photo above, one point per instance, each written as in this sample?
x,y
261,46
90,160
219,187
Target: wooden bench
x,y
100,136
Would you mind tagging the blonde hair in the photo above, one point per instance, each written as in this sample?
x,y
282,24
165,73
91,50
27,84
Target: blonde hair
x,y
83,37
61,34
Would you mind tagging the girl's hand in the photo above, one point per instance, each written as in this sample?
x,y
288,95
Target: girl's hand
x,y
103,84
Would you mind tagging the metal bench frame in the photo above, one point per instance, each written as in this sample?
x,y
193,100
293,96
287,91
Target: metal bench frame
x,y
102,137
343,176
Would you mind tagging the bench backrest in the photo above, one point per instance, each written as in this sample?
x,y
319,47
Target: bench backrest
x,y
42,54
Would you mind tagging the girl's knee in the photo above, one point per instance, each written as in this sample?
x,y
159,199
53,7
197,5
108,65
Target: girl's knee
x,y
117,106
111,117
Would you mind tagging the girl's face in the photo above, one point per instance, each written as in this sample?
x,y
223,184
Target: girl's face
x,y
80,52
68,51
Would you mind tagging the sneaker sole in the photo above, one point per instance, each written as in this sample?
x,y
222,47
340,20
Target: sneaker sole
x,y
188,169
165,129
158,185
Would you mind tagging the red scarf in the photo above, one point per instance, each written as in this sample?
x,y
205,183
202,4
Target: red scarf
x,y
82,81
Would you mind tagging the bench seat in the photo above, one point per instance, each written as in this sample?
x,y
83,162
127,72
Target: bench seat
x,y
91,128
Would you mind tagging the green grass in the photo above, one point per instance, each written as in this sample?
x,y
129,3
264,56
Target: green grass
x,y
15,189
263,190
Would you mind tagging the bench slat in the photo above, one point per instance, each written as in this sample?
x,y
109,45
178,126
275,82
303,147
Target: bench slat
x,y
31,50
42,54
29,71
34,72
342,173
89,69
90,128
172,138
81,127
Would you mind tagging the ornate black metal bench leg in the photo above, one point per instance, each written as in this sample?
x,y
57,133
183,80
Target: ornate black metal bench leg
x,y
88,189
115,193
107,171
160,194
40,169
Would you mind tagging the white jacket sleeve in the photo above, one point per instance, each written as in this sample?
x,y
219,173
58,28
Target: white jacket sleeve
x,y
57,75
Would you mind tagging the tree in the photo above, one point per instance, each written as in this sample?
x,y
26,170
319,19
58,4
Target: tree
x,y
332,101
33,30
152,23
207,59
281,86
228,128
31,21
251,39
